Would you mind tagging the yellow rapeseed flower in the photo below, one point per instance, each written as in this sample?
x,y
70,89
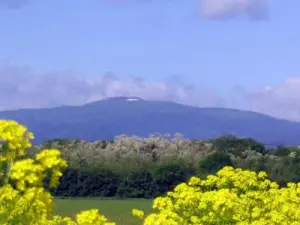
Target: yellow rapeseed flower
x,y
28,202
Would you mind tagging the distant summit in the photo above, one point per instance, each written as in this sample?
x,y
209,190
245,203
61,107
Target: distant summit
x,y
123,98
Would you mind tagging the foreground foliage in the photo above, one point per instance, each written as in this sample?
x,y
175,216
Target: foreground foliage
x,y
232,196
23,199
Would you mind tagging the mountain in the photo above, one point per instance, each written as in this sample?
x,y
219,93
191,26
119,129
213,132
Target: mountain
x,y
134,116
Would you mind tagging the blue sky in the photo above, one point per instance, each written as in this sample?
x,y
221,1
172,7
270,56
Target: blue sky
x,y
223,48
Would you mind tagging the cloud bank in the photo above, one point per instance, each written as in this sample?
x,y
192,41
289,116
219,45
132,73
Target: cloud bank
x,y
228,9
20,87
281,101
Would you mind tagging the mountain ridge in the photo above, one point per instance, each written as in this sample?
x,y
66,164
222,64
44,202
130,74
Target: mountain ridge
x,y
110,117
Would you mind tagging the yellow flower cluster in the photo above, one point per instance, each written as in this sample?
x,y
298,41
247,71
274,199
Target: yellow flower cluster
x,y
23,199
232,196
50,159
14,139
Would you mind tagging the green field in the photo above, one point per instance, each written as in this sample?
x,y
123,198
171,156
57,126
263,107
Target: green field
x,y
118,211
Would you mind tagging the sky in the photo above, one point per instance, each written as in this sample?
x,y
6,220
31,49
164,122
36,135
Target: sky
x,y
211,53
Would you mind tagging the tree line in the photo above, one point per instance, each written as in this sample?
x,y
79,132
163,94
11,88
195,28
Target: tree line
x,y
135,167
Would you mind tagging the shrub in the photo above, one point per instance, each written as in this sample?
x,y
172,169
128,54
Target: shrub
x,y
213,162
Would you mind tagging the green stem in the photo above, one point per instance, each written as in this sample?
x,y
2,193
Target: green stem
x,y
6,169
5,166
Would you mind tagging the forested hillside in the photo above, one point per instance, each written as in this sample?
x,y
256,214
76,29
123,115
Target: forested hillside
x,y
135,167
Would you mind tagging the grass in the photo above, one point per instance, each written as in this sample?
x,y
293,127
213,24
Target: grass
x,y
115,210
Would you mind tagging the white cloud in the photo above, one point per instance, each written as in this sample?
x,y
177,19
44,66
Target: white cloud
x,y
281,101
22,88
226,9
